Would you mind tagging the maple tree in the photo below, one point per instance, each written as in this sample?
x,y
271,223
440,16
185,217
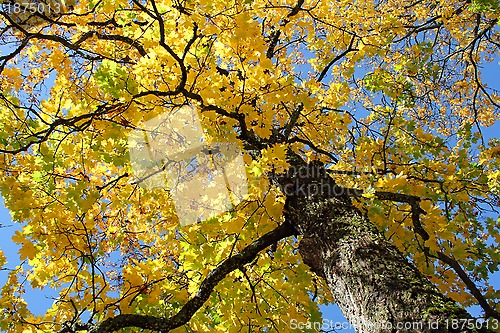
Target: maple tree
x,y
371,183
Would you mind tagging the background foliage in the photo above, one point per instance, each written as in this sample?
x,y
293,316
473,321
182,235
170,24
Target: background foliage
x,y
388,94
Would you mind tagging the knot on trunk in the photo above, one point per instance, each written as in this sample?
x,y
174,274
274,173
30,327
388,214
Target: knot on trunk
x,y
311,253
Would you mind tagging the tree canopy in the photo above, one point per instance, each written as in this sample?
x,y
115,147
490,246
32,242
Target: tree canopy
x,y
388,97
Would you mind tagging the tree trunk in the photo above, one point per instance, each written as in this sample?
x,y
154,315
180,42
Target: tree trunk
x,y
375,286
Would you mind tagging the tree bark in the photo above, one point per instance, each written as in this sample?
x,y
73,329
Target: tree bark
x,y
375,286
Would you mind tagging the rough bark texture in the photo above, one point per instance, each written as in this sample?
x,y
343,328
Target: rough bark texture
x,y
376,287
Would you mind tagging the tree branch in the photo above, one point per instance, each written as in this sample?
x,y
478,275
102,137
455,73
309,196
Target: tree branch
x,y
275,36
232,263
337,58
488,310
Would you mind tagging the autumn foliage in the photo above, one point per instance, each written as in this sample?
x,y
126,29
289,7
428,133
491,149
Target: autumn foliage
x,y
390,96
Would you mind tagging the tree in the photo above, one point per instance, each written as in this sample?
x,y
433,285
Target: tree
x,y
371,182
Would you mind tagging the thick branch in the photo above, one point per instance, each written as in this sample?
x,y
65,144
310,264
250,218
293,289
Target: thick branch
x,y
488,310
337,58
72,123
194,304
275,36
